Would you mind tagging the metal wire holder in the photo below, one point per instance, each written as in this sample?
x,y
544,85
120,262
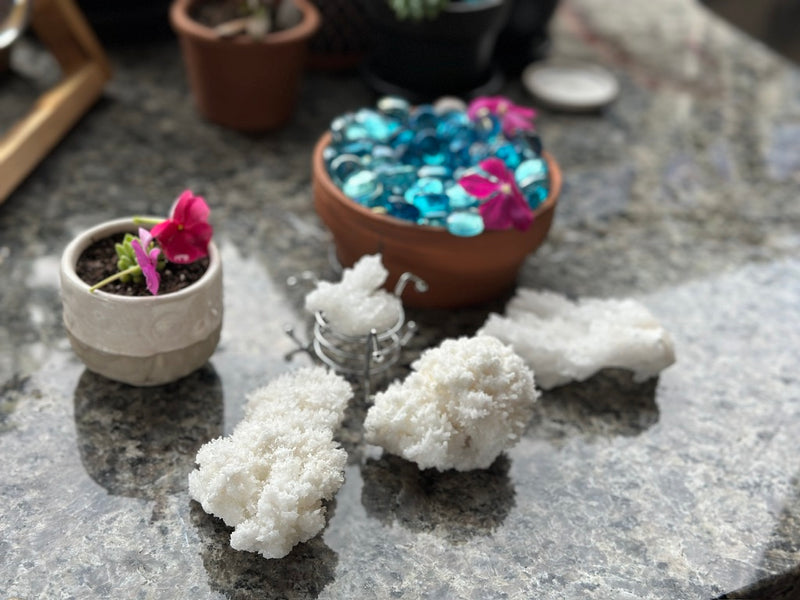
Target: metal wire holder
x,y
363,356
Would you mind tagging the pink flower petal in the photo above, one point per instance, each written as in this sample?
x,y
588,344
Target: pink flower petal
x,y
480,106
494,214
185,237
145,237
478,185
497,168
163,229
182,249
519,211
190,209
148,265
513,117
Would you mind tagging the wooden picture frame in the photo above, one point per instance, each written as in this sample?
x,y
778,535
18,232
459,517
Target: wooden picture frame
x,y
62,28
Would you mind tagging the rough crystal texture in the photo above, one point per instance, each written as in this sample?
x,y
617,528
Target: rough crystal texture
x,y
565,341
269,478
355,305
465,402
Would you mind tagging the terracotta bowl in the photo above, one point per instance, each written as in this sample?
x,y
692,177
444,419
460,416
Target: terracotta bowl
x,y
460,271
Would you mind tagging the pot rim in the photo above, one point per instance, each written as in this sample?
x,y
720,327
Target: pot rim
x,y
463,7
320,174
183,24
83,240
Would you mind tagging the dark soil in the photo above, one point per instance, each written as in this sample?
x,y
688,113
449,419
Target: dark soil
x,y
99,261
218,13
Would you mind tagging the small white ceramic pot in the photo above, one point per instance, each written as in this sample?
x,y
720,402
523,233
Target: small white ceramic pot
x,y
146,340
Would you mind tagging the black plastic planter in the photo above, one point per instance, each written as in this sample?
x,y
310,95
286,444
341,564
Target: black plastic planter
x,y
449,55
525,37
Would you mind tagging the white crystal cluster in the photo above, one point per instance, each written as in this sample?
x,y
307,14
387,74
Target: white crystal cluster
x,y
565,341
269,478
357,304
464,403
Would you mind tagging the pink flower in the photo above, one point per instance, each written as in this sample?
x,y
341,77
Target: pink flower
x,y
148,261
505,206
512,117
186,234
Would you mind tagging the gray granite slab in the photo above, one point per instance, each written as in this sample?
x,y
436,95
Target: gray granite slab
x,y
682,194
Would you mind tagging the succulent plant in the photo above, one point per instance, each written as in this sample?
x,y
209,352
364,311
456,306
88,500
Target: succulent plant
x,y
417,9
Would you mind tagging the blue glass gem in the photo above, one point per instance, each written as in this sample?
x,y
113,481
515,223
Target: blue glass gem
x,y
338,126
454,124
434,171
465,224
509,154
432,205
459,153
487,127
397,176
402,138
384,152
533,170
534,142
359,148
535,194
478,152
433,221
363,186
347,129
449,104
423,117
328,154
401,209
378,127
428,147
343,166
428,185
459,198
394,106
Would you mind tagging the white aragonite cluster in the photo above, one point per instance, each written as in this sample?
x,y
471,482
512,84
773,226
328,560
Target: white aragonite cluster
x,y
269,478
565,341
465,402
357,304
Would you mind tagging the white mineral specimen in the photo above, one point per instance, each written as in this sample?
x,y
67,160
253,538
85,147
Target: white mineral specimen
x,y
356,304
466,401
565,341
268,479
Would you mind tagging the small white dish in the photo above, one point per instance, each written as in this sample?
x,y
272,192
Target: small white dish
x,y
570,86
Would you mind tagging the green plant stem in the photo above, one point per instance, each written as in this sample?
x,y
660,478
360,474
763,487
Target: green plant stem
x,y
146,221
134,270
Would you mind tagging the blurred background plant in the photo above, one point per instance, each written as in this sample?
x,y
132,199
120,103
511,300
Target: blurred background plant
x,y
417,9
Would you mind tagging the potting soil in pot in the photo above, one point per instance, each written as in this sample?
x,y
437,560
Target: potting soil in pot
x,y
99,261
406,161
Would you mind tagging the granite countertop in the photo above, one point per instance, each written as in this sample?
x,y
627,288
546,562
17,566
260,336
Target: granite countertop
x,y
683,194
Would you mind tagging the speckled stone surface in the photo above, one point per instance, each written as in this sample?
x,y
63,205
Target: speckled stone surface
x,y
683,194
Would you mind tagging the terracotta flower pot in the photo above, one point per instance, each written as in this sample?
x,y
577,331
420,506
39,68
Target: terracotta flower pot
x,y
244,84
146,340
460,271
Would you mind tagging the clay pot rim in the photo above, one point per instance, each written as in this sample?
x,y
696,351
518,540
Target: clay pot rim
x,y
71,254
402,227
185,25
